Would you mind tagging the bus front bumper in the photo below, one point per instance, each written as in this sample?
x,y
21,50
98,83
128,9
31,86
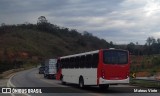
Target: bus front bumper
x,y
104,81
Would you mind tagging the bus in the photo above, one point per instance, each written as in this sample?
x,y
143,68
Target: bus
x,y
101,67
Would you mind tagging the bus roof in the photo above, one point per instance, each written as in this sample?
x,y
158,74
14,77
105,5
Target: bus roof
x,y
86,53
80,54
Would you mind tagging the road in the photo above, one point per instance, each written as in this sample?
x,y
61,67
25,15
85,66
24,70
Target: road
x,y
31,78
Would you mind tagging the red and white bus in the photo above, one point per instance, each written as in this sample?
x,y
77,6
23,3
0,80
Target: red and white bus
x,y
101,67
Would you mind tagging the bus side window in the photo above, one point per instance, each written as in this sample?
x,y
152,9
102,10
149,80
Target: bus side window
x,y
79,62
64,63
85,62
88,61
67,63
76,62
72,62
91,60
95,60
82,61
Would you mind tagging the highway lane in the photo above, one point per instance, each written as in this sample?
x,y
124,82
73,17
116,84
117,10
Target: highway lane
x,y
31,78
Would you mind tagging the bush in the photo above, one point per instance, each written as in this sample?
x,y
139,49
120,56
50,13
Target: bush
x,y
4,66
156,61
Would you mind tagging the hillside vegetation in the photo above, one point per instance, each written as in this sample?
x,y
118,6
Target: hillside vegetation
x,y
34,42
145,65
27,43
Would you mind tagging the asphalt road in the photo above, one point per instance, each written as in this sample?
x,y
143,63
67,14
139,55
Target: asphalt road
x,y
31,78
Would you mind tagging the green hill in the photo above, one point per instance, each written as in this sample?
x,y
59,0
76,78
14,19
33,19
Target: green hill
x,y
46,42
27,44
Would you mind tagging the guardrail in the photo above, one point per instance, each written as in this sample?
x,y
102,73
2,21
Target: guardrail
x,y
147,82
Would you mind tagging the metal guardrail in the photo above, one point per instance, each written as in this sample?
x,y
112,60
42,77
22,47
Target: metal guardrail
x,y
151,80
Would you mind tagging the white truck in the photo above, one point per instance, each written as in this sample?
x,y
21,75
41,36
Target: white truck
x,y
50,68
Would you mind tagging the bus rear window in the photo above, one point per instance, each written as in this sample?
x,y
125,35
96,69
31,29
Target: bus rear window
x,y
115,57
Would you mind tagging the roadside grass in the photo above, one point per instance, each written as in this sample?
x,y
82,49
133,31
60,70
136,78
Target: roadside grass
x,y
24,67
1,77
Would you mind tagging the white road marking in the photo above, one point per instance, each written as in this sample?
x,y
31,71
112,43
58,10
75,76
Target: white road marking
x,y
9,84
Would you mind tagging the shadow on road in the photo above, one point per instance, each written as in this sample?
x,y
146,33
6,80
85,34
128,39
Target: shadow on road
x,y
96,89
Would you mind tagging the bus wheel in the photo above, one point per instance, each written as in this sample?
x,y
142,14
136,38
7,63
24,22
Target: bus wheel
x,y
104,86
81,82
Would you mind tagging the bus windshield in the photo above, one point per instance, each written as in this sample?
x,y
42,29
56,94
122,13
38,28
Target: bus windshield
x,y
115,57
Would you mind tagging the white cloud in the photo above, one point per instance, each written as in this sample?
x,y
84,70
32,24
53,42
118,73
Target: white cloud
x,y
121,21
156,34
152,7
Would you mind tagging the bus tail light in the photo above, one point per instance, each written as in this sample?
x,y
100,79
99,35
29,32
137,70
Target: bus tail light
x,y
127,75
103,73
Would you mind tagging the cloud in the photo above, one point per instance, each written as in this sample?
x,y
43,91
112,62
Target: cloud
x,y
120,21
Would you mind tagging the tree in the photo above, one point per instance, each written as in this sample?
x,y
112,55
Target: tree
x,y
43,24
3,24
152,45
111,44
158,40
150,41
131,47
41,20
85,33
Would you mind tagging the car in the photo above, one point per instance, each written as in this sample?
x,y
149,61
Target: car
x,y
41,70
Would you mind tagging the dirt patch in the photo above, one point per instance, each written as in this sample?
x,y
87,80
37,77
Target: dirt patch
x,y
157,77
142,74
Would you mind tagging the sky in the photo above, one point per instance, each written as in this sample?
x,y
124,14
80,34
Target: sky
x,y
120,21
